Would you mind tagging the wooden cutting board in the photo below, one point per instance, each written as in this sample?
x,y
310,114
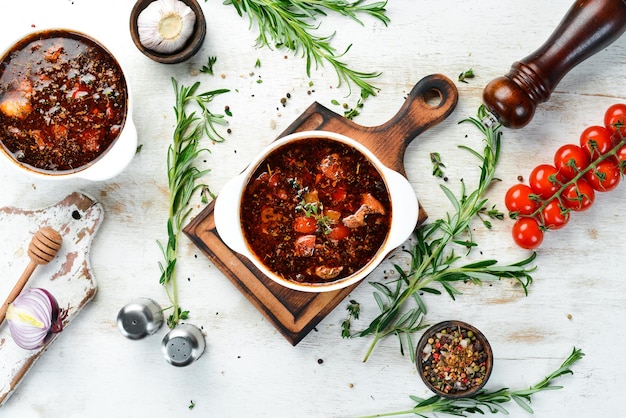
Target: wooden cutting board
x,y
292,312
68,276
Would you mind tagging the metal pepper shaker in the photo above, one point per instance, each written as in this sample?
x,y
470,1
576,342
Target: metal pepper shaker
x,y
140,318
183,345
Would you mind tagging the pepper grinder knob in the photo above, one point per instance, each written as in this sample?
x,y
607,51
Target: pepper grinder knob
x,y
588,27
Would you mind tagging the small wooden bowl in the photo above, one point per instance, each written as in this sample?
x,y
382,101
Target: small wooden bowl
x,y
192,46
477,369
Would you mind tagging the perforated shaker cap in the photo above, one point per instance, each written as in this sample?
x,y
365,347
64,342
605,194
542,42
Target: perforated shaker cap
x,y
140,318
183,345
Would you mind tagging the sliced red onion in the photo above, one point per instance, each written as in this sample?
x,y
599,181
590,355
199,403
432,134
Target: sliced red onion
x,y
33,316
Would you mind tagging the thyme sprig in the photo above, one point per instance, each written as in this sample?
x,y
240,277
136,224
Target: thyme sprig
x,y
434,260
438,165
289,24
488,401
182,175
354,310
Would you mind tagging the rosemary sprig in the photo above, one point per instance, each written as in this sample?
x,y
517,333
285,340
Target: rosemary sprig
x,y
433,259
484,400
288,24
182,175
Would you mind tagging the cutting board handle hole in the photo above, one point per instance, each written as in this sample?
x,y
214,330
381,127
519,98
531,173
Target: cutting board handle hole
x,y
433,98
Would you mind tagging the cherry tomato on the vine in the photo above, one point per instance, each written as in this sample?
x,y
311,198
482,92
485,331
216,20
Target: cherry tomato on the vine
x,y
554,216
543,180
569,160
527,233
606,175
621,156
518,199
615,116
596,141
578,196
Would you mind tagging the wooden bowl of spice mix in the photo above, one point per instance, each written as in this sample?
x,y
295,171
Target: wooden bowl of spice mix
x,y
454,359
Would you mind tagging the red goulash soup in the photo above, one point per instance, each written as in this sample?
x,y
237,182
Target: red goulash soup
x,y
63,101
315,211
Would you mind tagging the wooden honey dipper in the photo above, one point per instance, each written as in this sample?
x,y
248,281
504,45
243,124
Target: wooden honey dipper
x,y
42,249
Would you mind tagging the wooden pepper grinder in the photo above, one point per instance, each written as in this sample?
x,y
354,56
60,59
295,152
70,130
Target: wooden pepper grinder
x,y
588,27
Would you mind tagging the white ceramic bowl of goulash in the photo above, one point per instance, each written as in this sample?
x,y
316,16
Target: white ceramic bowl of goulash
x,y
316,211
65,107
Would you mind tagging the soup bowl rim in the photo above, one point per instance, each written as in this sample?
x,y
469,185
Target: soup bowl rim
x,y
404,213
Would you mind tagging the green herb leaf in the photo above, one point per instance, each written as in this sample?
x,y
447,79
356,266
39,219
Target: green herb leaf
x,y
354,310
465,75
438,166
208,68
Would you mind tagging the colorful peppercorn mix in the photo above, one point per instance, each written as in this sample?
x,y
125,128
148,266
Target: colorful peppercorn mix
x,y
454,359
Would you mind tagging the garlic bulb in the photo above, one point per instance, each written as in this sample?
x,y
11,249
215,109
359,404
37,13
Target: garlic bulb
x,y
165,25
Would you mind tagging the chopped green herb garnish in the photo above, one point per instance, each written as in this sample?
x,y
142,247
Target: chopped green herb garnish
x,y
465,75
438,166
208,68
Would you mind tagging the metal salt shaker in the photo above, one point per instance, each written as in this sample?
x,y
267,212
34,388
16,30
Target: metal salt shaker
x,y
140,318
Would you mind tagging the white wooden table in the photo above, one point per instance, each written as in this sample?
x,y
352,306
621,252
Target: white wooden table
x,y
249,369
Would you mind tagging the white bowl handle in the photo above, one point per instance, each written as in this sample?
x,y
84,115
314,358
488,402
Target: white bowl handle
x,y
404,207
226,214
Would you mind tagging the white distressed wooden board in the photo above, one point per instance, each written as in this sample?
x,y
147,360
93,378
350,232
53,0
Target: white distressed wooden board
x,y
68,276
